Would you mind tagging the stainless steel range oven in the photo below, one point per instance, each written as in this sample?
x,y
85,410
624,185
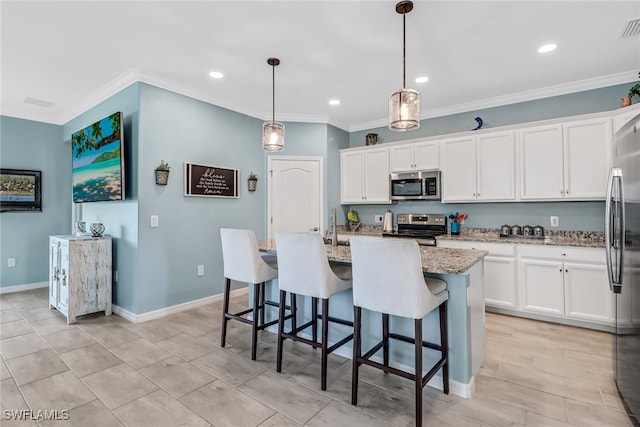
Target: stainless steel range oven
x,y
422,227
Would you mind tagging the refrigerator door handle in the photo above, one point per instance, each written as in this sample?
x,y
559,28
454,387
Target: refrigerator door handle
x,y
610,220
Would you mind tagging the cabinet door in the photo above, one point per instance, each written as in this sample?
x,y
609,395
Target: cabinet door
x,y
63,278
352,177
53,276
541,163
542,286
376,176
500,282
496,178
587,294
426,155
587,158
459,169
401,157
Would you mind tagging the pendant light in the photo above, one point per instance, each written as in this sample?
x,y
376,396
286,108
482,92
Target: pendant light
x,y
273,132
404,105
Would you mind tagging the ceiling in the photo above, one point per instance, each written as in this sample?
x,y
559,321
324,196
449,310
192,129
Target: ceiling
x,y
65,57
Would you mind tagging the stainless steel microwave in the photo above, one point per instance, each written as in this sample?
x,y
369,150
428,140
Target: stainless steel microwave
x,y
419,185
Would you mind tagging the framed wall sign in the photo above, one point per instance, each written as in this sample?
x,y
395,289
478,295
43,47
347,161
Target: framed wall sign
x,y
20,190
210,181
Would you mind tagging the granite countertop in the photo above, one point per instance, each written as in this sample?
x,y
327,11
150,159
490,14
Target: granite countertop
x,y
434,260
584,239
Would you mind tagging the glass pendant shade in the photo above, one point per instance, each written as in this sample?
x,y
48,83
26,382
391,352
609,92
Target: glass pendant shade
x,y
404,110
273,136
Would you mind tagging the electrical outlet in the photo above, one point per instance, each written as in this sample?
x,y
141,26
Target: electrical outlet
x,y
377,219
154,221
201,270
555,221
11,262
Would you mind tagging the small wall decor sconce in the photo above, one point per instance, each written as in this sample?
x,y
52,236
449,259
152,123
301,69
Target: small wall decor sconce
x,y
252,181
162,173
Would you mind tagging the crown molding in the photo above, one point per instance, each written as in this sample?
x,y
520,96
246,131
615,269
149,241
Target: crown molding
x,y
529,95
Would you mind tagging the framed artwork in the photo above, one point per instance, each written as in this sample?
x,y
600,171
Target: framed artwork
x,y
20,190
98,161
210,181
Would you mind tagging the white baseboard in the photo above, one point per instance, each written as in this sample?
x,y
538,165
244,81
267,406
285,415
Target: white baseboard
x,y
20,288
156,314
455,387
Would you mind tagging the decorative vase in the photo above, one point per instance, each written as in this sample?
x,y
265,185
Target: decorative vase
x,y
253,184
97,228
455,228
162,177
625,101
80,228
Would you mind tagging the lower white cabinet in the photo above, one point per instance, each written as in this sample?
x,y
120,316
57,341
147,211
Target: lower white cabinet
x,y
558,281
500,288
79,275
566,281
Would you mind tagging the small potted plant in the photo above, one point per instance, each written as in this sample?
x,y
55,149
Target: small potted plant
x,y
252,181
162,173
633,91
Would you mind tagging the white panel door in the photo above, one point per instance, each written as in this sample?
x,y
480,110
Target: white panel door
x,y
295,194
352,177
542,286
500,282
459,169
402,158
426,155
376,173
587,294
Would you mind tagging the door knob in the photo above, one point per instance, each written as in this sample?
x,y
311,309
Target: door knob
x,y
313,229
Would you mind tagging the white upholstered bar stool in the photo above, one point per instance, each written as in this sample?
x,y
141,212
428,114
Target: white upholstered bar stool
x,y
304,269
388,278
244,263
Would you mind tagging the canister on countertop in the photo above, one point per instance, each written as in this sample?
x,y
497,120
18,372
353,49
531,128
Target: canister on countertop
x,y
538,230
516,230
388,222
505,230
527,230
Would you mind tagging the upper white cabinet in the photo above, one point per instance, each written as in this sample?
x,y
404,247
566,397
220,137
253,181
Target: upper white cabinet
x,y
415,156
364,176
565,161
479,168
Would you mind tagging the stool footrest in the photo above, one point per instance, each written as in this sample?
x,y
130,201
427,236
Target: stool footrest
x,y
413,341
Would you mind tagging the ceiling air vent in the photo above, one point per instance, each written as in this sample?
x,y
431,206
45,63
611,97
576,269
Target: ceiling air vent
x,y
38,102
631,28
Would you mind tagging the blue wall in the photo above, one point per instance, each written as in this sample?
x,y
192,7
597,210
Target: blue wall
x,y
26,144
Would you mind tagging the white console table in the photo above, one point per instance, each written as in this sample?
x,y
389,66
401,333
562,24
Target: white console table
x,y
79,275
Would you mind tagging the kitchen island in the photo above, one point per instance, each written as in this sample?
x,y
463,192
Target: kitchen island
x,y
463,271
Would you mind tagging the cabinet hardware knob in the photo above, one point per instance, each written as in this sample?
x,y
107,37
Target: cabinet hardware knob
x,y
560,270
564,254
566,271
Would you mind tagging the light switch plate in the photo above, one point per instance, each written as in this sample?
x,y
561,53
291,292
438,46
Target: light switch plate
x,y
555,221
377,219
11,262
201,270
154,221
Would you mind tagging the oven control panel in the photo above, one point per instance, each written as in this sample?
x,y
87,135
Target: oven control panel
x,y
422,219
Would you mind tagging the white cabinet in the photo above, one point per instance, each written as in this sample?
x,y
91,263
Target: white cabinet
x,y
364,176
565,281
414,156
479,168
500,288
79,275
565,161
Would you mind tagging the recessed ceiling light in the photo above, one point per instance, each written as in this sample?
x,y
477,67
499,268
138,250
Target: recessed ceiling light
x,y
547,48
216,75
422,79
334,102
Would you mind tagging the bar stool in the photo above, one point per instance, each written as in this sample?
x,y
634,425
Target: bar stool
x,y
305,270
244,263
388,278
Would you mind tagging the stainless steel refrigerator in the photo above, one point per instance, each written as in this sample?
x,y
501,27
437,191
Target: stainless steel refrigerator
x,y
622,244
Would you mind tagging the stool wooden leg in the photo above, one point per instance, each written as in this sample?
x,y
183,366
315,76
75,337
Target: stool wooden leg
x,y
263,286
418,374
385,340
314,318
225,310
254,323
444,343
325,339
357,313
283,298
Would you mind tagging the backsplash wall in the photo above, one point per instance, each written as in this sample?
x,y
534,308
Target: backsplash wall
x,y
575,216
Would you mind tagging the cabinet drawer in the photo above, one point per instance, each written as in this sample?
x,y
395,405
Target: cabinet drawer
x,y
563,253
498,249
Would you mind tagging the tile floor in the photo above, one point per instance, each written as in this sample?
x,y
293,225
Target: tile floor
x,y
172,372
